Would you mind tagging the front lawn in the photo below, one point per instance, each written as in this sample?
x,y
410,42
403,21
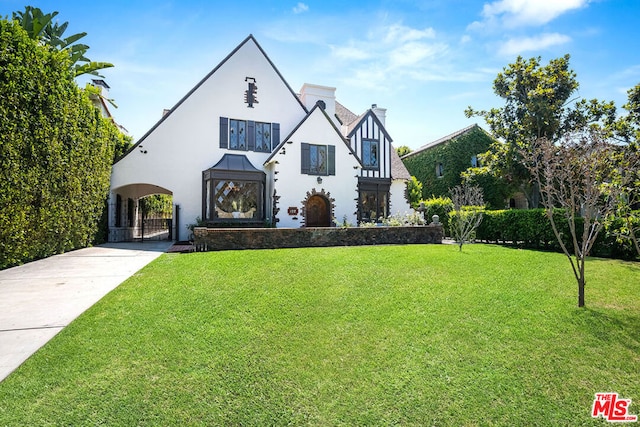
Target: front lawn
x,y
389,335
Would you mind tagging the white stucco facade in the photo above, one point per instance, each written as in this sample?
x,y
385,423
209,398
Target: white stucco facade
x,y
219,117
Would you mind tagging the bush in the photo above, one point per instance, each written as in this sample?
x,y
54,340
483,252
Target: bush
x,y
56,153
532,229
440,206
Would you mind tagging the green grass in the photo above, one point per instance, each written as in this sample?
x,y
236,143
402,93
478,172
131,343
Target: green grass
x,y
389,335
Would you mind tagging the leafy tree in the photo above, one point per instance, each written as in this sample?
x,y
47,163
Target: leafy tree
x,y
403,150
40,26
468,205
540,103
55,156
576,174
414,192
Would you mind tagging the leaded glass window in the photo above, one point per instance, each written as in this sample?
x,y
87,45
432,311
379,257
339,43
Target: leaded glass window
x,y
263,137
237,134
236,199
370,154
318,159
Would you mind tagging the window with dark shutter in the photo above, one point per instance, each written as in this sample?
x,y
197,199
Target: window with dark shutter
x,y
332,160
275,135
305,158
224,132
318,159
251,135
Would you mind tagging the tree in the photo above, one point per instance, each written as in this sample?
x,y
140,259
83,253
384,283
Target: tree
x,y
540,103
575,174
414,192
627,130
40,27
468,205
403,150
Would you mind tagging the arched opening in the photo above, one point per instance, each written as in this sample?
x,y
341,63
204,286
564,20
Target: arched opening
x,y
318,212
141,212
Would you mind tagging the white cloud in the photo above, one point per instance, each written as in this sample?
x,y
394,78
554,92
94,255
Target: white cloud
x,y
513,13
398,33
517,46
300,8
350,52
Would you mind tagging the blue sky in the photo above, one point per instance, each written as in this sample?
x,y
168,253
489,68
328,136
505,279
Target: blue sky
x,y
423,60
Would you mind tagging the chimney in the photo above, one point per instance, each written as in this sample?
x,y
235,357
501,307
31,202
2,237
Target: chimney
x,y
310,94
103,86
381,113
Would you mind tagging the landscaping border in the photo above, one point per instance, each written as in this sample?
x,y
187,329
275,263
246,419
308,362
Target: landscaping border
x,y
218,239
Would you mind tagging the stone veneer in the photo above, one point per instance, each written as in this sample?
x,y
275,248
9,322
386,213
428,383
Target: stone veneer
x,y
218,239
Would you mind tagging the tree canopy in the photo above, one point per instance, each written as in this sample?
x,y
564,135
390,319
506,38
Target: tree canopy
x,y
539,102
41,27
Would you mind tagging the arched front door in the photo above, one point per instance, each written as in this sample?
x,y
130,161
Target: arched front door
x,y
318,212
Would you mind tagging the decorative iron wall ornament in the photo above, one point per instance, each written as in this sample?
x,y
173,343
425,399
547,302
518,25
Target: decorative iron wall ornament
x,y
250,97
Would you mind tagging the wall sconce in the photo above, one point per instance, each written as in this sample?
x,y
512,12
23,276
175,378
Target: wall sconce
x,y
319,180
141,150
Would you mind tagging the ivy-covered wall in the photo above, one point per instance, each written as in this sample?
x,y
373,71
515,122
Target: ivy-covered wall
x,y
56,152
455,157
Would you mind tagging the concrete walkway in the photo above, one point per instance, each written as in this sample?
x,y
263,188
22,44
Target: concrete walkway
x,y
40,298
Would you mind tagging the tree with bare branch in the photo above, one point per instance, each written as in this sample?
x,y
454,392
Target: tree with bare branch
x,y
575,174
468,204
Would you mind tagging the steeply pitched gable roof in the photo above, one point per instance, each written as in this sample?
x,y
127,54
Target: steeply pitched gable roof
x,y
443,140
317,107
197,86
398,169
345,115
369,113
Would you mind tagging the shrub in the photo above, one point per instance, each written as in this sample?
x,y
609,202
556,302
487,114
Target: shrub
x,y
55,156
531,228
440,206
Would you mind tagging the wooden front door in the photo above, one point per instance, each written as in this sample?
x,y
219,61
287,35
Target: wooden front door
x,y
317,212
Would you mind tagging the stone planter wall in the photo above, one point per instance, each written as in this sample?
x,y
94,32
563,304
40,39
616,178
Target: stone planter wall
x,y
218,239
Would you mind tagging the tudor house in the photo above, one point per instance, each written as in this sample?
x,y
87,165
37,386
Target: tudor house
x,y
243,149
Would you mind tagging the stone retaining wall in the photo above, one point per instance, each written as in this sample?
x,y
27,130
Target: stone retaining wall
x,y
218,239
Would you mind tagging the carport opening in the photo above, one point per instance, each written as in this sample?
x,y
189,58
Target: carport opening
x,y
141,212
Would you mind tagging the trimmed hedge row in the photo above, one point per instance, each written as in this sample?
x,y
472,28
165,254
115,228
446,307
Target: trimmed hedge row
x,y
56,153
531,228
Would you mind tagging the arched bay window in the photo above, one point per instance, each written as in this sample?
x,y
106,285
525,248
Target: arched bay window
x,y
233,191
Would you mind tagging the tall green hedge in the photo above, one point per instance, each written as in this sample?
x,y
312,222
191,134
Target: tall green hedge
x,y
55,155
531,228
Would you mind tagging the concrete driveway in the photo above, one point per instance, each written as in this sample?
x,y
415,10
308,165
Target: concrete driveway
x,y
40,298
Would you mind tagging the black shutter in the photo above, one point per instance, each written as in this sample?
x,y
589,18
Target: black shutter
x,y
331,170
305,159
251,135
224,132
275,135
